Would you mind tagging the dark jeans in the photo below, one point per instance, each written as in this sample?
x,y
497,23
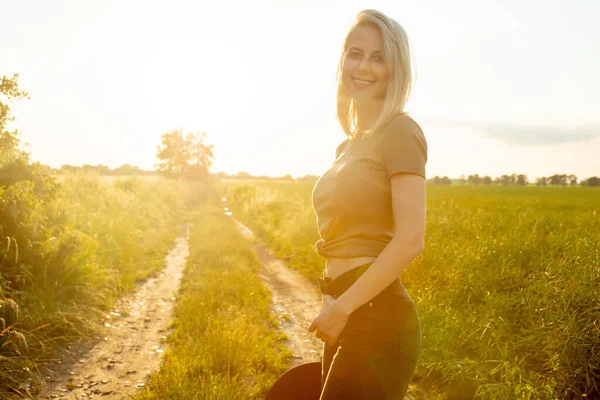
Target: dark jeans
x,y
376,354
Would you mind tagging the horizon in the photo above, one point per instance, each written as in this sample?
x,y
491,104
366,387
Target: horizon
x,y
296,177
486,95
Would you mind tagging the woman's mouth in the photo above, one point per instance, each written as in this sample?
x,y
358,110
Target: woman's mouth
x,y
362,82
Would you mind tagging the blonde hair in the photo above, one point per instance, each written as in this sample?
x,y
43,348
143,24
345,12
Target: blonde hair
x,y
397,55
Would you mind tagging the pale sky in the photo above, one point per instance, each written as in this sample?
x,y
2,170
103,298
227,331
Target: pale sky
x,y
502,86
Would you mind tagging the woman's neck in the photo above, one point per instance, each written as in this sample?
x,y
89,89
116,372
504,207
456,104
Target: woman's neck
x,y
367,114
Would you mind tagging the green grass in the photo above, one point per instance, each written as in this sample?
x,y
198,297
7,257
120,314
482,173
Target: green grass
x,y
225,344
508,288
282,215
71,255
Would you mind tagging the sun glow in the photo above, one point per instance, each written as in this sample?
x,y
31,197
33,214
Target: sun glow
x,y
261,82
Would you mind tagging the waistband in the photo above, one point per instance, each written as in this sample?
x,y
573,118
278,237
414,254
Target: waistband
x,y
335,287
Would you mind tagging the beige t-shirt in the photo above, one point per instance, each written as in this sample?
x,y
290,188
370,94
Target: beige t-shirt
x,y
353,200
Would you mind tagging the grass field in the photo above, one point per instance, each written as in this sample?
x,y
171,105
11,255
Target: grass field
x,y
508,288
225,343
70,255
99,236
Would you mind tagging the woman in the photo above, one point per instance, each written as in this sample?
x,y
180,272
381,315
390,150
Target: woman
x,y
370,208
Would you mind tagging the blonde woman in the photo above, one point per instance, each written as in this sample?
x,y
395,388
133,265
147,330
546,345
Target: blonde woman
x,y
370,208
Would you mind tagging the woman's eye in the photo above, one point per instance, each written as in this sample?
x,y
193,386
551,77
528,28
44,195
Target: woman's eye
x,y
354,54
378,58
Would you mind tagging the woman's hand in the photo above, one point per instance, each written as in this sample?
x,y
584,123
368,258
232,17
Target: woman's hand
x,y
330,321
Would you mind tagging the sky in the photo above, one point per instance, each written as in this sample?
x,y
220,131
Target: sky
x,y
501,87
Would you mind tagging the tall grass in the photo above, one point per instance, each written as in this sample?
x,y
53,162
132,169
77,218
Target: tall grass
x,y
71,255
224,345
508,288
282,215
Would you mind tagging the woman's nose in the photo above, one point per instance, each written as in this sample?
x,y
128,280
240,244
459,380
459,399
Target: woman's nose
x,y
364,66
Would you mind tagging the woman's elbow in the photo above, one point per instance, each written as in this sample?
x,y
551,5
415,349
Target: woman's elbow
x,y
413,245
418,246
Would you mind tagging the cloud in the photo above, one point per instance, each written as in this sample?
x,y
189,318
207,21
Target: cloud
x,y
518,135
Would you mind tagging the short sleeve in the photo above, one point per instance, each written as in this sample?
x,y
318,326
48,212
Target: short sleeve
x,y
404,147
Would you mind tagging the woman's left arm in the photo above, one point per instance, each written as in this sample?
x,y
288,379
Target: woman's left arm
x,y
408,205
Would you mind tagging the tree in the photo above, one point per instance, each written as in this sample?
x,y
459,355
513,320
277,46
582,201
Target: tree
x,y
24,188
541,181
102,170
474,179
438,181
503,180
172,153
185,156
10,145
572,180
127,170
558,180
522,180
15,163
592,181
200,156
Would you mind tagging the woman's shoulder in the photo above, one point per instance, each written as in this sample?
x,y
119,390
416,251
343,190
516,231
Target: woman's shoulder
x,y
402,122
341,147
403,127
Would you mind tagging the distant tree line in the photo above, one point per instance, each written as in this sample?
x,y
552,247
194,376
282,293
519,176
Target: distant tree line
x,y
593,181
439,181
566,180
246,176
125,169
514,179
504,180
179,156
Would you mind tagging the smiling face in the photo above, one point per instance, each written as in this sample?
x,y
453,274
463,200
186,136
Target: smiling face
x,y
365,72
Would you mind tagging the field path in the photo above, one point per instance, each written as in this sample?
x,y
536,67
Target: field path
x,y
295,302
134,341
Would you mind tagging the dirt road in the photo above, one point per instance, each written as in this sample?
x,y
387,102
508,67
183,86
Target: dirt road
x,y
295,302
135,331
116,367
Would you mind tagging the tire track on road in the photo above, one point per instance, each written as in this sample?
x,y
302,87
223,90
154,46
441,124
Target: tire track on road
x,y
295,301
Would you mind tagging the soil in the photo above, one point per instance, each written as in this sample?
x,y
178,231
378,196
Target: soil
x,y
295,302
117,366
